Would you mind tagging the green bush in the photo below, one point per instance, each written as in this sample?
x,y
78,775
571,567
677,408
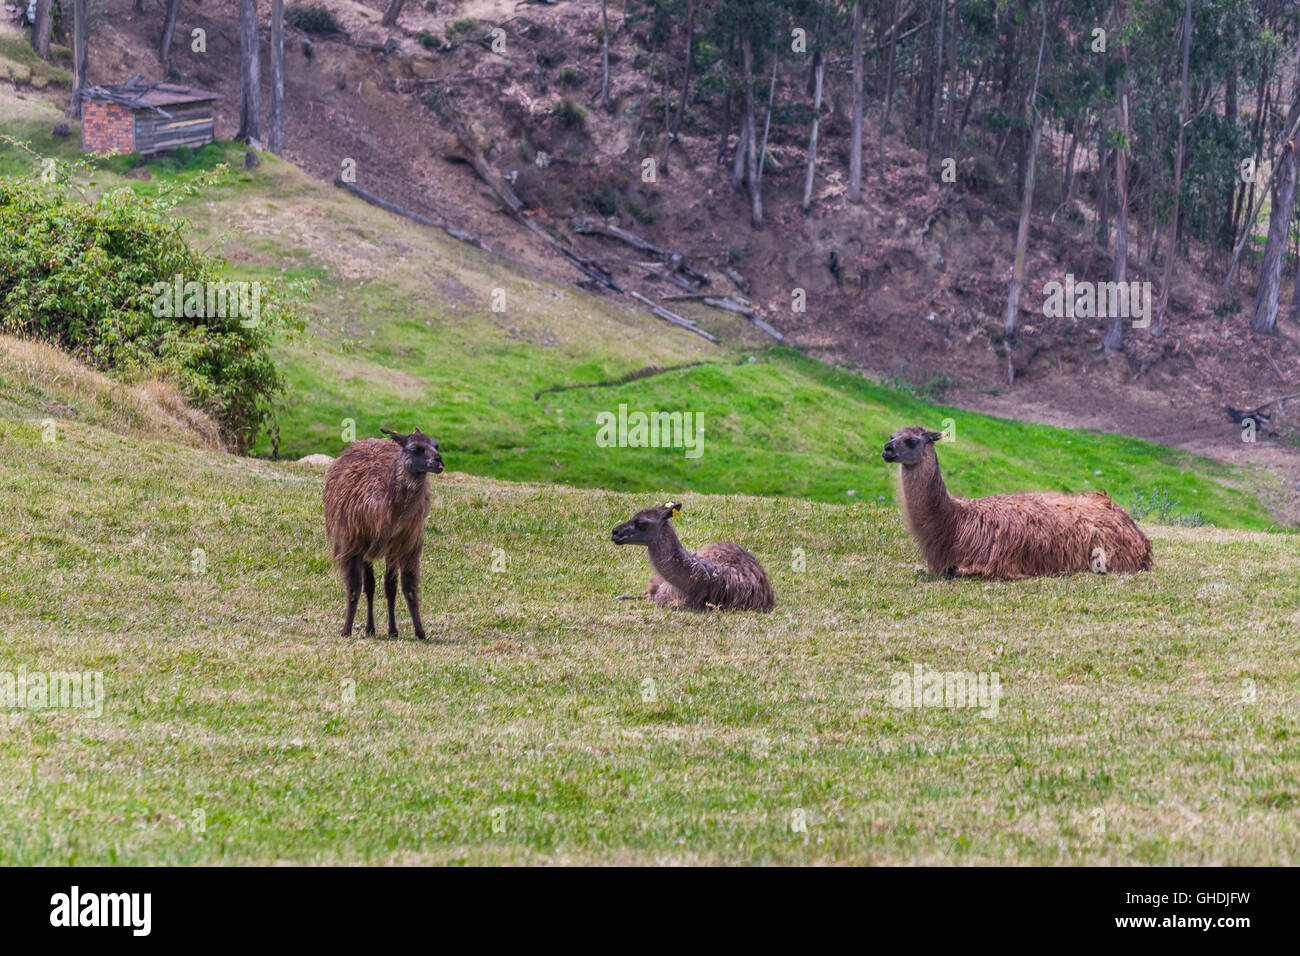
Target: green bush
x,y
88,275
569,114
312,19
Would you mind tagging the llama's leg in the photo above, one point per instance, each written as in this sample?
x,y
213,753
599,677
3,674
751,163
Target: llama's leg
x,y
411,591
390,592
370,598
352,578
647,594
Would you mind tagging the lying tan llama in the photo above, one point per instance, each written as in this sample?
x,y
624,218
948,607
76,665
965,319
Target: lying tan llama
x,y
721,575
1009,536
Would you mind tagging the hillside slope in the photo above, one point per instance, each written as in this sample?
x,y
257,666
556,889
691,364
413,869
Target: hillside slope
x,y
1149,719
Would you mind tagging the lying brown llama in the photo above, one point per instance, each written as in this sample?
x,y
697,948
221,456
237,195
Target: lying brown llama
x,y
720,575
376,500
1009,536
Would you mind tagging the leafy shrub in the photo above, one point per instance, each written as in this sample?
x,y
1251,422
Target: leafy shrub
x,y
310,18
646,217
462,28
569,114
426,39
604,201
85,275
570,77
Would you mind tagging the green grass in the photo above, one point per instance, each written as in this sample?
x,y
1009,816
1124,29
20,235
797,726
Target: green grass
x,y
523,732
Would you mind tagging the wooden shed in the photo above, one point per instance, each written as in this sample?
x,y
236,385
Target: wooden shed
x,y
145,118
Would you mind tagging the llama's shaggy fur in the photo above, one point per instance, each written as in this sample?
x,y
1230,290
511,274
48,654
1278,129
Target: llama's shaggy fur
x,y
376,500
721,575
1009,536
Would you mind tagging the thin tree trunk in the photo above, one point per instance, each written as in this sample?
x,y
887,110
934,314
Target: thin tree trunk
x,y
275,116
690,68
1157,324
41,28
250,75
936,97
1227,230
1026,203
767,121
391,13
819,70
889,72
751,131
169,27
855,136
604,56
80,53
1114,338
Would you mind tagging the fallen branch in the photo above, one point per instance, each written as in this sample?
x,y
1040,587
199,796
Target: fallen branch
x,y
409,214
672,317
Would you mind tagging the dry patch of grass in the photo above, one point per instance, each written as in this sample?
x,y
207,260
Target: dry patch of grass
x,y
41,381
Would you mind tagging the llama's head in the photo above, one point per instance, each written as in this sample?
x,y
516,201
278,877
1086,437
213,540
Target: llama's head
x,y
420,453
645,525
908,447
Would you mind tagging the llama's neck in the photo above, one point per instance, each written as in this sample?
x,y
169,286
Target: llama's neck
x,y
927,505
674,563
406,487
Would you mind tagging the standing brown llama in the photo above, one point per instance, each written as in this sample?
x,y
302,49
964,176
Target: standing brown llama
x,y
720,575
376,500
1009,536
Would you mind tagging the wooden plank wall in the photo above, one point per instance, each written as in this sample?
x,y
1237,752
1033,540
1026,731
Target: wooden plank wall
x,y
189,125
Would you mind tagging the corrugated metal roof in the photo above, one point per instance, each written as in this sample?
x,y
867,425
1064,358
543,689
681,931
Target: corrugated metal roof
x,y
139,95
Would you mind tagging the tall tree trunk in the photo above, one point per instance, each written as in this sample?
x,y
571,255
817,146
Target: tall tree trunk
x,y
742,151
751,132
169,27
250,76
889,72
1157,324
936,97
275,116
1114,338
690,68
604,56
819,70
80,53
41,28
855,136
1026,204
1264,318
1227,229
391,13
767,121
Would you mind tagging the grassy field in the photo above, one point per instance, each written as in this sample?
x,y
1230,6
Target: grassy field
x,y
1149,719
1142,720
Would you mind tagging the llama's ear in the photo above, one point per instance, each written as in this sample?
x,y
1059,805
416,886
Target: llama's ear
x,y
400,439
933,436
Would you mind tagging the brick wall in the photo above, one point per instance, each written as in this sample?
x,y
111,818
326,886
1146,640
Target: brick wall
x,y
107,128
